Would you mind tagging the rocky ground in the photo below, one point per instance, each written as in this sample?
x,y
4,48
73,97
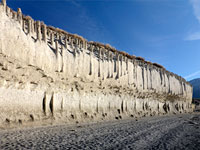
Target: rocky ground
x,y
161,132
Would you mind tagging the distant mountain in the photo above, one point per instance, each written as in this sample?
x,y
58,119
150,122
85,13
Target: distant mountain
x,y
196,87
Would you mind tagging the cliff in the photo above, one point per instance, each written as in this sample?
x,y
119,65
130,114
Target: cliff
x,y
48,73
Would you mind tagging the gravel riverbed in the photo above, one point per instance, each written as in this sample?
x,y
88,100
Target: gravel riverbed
x,y
161,132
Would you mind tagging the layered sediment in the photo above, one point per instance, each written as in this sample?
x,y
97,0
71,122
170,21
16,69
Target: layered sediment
x,y
47,73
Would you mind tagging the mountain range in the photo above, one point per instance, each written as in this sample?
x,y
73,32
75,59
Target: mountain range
x,y
196,87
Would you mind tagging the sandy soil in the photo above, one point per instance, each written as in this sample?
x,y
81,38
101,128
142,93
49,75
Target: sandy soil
x,y
166,132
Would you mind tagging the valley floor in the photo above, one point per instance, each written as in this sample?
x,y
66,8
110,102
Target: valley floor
x,y
162,132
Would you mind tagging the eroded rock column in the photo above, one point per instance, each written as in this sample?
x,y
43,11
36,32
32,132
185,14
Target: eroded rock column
x,y
32,26
118,65
44,33
38,30
103,64
85,44
4,5
19,15
99,68
59,58
57,52
66,41
52,38
112,65
109,64
91,60
121,65
29,26
8,11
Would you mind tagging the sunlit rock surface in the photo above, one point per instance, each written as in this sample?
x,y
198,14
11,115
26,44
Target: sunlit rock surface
x,y
47,73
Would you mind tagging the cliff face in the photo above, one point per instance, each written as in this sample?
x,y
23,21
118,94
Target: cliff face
x,y
49,73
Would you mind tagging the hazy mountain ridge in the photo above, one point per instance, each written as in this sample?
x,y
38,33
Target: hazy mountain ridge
x,y
196,87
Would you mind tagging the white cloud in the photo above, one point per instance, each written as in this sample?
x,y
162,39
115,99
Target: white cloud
x,y
193,36
196,7
192,75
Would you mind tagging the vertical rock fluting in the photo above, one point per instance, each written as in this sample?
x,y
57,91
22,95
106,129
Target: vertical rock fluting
x,y
44,28
4,4
98,79
29,26
38,30
19,16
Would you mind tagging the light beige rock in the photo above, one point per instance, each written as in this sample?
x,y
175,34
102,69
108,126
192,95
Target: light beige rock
x,y
67,81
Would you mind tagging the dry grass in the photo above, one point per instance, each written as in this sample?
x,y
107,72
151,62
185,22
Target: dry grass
x,y
106,46
112,49
27,17
38,23
15,14
123,53
51,28
11,10
140,58
109,47
158,65
127,55
148,62
42,23
132,57
97,44
77,36
60,31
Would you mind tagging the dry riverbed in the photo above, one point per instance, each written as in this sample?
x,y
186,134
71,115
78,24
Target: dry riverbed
x,y
161,132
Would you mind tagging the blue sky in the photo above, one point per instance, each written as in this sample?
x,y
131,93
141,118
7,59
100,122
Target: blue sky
x,y
162,31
